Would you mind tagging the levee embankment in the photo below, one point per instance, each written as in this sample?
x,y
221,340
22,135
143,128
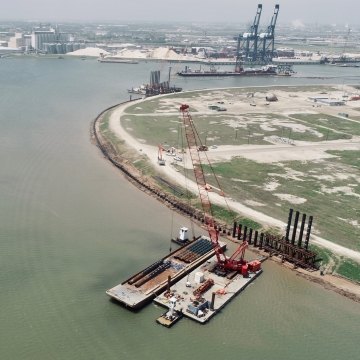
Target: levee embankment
x,y
144,183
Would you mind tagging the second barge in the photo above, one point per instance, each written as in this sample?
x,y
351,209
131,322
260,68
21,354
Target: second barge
x,y
213,72
203,293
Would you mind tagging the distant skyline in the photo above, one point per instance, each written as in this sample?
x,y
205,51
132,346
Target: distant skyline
x,y
291,11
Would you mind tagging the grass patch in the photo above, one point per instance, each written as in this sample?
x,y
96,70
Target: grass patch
x,y
324,255
349,157
340,125
350,270
244,179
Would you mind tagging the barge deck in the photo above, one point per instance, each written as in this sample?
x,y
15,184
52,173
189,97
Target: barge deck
x,y
218,291
141,288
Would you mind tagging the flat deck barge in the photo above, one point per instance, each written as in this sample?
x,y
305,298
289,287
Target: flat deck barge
x,y
142,287
220,290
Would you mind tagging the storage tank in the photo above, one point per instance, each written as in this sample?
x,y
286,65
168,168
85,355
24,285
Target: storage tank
x,y
199,277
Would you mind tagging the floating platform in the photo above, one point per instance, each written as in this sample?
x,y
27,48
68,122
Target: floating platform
x,y
117,60
218,288
141,288
264,70
168,321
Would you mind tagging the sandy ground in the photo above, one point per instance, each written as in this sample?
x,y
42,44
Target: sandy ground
x,y
280,152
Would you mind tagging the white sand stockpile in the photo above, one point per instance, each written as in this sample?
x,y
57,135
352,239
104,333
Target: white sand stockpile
x,y
90,51
162,53
132,54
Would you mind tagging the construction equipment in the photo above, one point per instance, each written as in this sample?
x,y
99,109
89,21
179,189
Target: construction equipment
x,y
267,38
250,39
255,48
235,262
161,161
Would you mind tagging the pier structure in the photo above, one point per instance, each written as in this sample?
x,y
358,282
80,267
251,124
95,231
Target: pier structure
x,y
289,247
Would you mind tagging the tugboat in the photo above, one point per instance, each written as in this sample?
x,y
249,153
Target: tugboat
x,y
169,318
183,237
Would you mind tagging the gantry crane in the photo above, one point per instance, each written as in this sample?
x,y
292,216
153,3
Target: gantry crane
x,y
247,45
267,38
236,261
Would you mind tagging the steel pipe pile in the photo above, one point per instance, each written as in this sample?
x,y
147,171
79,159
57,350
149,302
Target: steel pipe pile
x,y
154,273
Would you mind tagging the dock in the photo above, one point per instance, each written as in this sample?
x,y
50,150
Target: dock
x,y
144,286
203,293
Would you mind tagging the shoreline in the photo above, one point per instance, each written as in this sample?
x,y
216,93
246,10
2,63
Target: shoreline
x,y
340,285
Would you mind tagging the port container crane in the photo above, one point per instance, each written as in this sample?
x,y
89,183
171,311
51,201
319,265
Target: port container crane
x,y
236,262
247,46
252,36
267,38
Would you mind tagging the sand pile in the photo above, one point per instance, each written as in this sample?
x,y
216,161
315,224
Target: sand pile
x,y
132,54
90,51
162,53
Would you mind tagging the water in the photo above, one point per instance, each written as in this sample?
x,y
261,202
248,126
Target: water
x,y
72,226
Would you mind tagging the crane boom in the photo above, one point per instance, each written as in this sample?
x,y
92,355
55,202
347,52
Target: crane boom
x,y
194,143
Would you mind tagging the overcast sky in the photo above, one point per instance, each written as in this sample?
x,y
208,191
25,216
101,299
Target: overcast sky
x,y
242,11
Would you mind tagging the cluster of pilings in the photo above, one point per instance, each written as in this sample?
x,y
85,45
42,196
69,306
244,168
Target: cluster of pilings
x,y
289,247
194,251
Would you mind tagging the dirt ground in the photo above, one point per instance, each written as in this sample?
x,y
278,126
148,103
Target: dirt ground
x,y
261,153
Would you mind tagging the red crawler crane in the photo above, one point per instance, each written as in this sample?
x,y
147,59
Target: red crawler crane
x,y
233,263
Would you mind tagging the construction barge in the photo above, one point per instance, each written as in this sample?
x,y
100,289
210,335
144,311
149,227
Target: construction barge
x,y
266,70
142,288
203,293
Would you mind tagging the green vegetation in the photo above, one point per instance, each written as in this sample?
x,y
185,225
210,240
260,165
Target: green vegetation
x,y
229,216
349,157
338,124
349,269
145,107
332,264
328,189
247,180
325,256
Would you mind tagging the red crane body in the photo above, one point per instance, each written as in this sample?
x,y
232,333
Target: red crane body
x,y
194,144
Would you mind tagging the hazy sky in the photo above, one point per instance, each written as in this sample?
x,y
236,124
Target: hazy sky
x,y
301,11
